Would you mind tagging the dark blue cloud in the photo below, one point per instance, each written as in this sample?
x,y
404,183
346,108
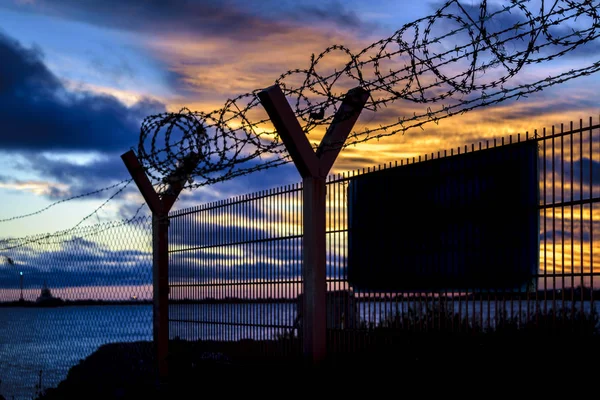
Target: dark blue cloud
x,y
504,21
105,168
80,262
207,18
39,113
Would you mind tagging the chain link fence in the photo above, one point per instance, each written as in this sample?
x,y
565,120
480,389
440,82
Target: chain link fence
x,y
66,294
236,287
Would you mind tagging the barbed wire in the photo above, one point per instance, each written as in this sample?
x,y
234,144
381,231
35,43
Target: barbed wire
x,y
238,140
71,234
12,243
463,56
79,196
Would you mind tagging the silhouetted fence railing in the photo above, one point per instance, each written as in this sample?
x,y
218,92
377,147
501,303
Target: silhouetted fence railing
x,y
236,264
235,278
235,268
66,294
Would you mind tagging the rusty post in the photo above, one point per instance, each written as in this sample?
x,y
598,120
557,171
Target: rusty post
x,y
313,167
160,205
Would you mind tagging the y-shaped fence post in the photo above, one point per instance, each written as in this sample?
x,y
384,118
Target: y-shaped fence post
x,y
160,205
313,167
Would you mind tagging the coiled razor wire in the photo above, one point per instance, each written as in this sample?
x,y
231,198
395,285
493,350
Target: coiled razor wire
x,y
460,58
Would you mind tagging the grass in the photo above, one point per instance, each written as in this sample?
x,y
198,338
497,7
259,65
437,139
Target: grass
x,y
440,318
409,343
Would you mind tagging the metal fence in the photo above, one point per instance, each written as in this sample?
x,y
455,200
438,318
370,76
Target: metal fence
x,y
235,280
66,294
236,264
235,268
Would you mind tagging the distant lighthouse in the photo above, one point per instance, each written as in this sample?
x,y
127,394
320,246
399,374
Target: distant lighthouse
x,y
21,299
46,297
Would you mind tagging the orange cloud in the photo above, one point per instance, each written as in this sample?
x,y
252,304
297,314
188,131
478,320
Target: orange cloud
x,y
39,188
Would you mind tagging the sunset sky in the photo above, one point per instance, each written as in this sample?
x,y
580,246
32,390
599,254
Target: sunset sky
x,y
77,78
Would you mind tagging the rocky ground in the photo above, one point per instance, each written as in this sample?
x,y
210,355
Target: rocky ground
x,y
127,370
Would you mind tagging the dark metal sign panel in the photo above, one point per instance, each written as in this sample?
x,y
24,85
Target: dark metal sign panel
x,y
465,222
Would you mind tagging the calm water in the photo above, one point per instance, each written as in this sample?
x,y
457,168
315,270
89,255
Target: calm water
x,y
52,340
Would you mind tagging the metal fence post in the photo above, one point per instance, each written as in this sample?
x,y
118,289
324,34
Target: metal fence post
x,y
314,271
160,286
313,167
160,206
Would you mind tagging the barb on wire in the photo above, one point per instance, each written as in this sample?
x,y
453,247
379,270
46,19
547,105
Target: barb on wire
x,y
456,60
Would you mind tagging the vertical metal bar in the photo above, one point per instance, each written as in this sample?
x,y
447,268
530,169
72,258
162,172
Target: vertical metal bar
x,y
258,286
204,276
554,227
245,282
562,221
206,233
184,277
330,308
591,182
221,216
278,267
225,275
270,306
213,241
243,287
287,262
264,219
221,282
268,262
581,220
244,228
297,268
545,228
337,248
296,272
199,308
269,217
218,213
256,259
278,230
225,278
290,255
230,264
185,309
572,276
284,260
300,250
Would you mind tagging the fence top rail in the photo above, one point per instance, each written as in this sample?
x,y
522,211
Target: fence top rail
x,y
546,134
291,188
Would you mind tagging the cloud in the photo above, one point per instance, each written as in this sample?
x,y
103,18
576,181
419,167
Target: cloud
x,y
39,113
37,187
211,17
207,18
334,12
516,17
105,168
80,262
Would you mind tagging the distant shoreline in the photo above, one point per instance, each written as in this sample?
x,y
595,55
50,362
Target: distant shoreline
x,y
541,296
69,303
